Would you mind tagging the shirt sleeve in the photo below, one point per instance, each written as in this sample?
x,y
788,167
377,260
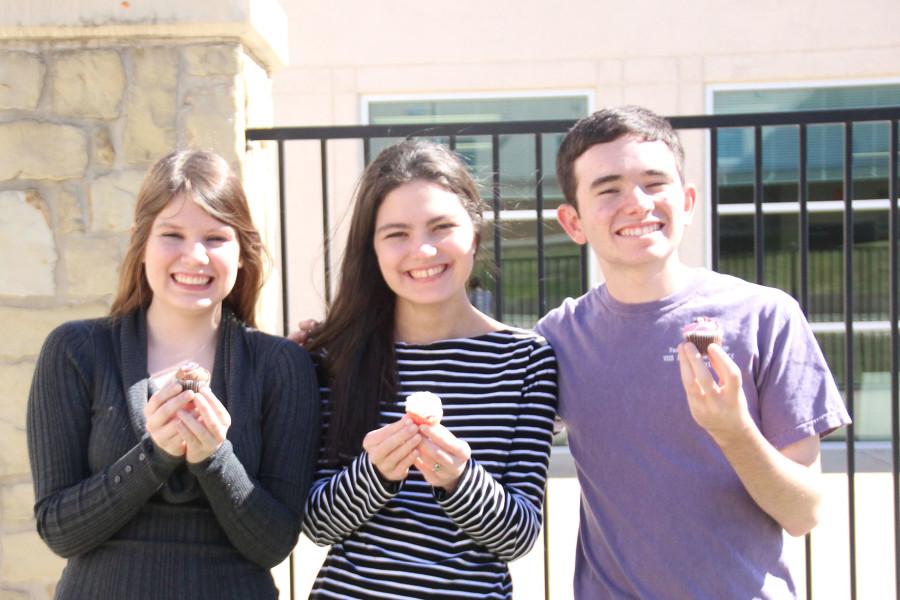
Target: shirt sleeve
x,y
261,516
75,510
798,397
344,499
504,515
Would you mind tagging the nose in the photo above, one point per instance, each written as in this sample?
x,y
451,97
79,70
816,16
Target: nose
x,y
196,252
426,249
638,200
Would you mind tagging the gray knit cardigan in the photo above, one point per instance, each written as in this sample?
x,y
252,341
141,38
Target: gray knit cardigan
x,y
137,523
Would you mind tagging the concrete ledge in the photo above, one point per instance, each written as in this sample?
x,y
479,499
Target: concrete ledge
x,y
261,25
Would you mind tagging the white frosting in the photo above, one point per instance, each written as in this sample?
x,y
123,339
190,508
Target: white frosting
x,y
425,404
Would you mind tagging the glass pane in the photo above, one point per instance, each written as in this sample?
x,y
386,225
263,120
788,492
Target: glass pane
x,y
469,110
519,269
812,98
781,266
871,380
825,143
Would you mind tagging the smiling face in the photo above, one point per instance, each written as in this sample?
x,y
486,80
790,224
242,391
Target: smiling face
x,y
425,244
632,206
191,259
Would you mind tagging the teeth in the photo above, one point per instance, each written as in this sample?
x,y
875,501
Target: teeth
x,y
424,273
639,231
191,279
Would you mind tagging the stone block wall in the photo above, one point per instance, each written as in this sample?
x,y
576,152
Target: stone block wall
x,y
80,123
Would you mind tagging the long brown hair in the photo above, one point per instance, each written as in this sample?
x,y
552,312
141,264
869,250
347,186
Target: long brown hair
x,y
357,338
207,179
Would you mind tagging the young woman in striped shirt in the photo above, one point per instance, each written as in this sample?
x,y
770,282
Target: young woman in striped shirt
x,y
430,511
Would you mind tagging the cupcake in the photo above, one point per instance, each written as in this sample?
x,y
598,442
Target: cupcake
x,y
192,376
702,332
424,408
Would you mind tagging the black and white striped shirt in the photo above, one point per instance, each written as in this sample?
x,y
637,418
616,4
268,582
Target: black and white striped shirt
x,y
499,395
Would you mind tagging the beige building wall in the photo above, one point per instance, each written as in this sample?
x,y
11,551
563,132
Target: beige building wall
x,y
664,55
91,94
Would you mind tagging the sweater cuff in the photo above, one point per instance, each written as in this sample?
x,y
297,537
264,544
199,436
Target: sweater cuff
x,y
223,466
467,483
160,462
383,489
142,468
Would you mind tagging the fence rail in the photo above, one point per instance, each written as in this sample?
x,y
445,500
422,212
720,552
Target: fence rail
x,y
845,270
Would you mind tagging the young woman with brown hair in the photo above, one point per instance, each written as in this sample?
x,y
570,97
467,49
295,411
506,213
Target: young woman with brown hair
x,y
434,510
152,490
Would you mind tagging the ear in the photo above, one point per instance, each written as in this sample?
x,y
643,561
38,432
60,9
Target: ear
x,y
690,202
568,218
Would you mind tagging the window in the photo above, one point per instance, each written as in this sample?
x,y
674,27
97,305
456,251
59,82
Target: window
x,y
517,169
825,166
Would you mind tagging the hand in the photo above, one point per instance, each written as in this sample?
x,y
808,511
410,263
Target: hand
x,y
304,331
442,457
203,429
719,408
392,448
159,412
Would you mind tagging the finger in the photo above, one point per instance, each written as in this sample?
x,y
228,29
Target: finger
x,y
381,451
405,462
399,470
684,366
433,453
189,437
168,438
307,325
702,377
401,452
433,478
726,370
193,431
443,439
378,436
298,337
167,410
161,396
212,411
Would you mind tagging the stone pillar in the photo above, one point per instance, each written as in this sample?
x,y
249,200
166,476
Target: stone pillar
x,y
91,94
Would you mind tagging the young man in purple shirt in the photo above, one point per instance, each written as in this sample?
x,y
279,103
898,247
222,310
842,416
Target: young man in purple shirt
x,y
692,468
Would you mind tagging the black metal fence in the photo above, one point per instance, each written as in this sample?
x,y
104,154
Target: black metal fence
x,y
844,287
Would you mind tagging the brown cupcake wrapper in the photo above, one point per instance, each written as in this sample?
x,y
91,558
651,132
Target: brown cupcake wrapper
x,y
192,384
702,341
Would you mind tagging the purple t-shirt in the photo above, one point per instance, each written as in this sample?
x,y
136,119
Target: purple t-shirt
x,y
663,514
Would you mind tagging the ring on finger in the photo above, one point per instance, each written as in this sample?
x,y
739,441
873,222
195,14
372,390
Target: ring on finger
x,y
436,467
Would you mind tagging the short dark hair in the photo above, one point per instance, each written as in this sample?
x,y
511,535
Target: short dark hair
x,y
606,126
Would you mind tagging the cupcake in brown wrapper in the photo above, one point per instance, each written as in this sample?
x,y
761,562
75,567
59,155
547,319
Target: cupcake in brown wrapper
x,y
702,332
192,376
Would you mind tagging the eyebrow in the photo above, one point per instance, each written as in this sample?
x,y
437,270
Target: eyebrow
x,y
172,225
430,221
615,177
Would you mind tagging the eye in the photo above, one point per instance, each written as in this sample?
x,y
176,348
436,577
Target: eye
x,y
395,235
171,234
217,239
608,191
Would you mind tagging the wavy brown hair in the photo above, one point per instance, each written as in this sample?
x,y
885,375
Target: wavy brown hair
x,y
206,178
356,340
